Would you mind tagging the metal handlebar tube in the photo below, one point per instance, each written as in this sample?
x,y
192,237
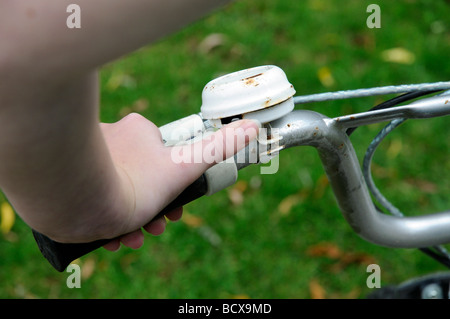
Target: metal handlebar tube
x,y
308,128
425,108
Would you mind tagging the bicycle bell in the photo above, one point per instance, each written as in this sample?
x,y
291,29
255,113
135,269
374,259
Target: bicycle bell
x,y
262,93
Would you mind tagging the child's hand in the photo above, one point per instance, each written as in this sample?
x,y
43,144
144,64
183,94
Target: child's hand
x,y
152,179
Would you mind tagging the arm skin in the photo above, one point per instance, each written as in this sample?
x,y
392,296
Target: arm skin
x,y
67,175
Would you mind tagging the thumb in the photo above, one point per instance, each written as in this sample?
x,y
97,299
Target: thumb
x,y
215,147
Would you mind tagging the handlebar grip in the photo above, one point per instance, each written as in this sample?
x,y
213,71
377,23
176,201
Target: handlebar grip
x,y
60,255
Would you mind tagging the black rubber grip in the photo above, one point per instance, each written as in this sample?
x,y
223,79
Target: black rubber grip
x,y
60,255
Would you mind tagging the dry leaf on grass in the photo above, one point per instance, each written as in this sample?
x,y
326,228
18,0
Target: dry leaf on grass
x,y
211,42
329,250
138,106
343,259
286,205
120,79
236,192
321,186
398,55
88,268
191,220
352,258
8,217
423,185
316,290
325,77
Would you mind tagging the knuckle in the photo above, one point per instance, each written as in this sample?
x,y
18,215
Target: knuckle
x,y
133,118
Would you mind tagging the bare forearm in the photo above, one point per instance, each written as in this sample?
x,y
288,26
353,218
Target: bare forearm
x,y
35,37
57,168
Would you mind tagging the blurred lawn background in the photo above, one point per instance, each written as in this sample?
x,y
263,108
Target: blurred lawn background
x,y
281,235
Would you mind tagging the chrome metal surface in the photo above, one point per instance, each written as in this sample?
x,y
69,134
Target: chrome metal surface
x,y
301,128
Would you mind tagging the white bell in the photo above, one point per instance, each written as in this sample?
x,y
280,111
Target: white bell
x,y
262,93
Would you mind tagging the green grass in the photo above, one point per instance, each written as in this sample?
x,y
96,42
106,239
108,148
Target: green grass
x,y
251,249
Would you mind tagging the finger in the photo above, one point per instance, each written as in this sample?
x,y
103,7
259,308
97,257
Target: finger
x,y
113,245
215,147
157,226
227,141
175,214
133,240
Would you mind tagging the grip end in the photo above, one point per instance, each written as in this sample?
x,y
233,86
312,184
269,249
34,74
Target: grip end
x,y
60,255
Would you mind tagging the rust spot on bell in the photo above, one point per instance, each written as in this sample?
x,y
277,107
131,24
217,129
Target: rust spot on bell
x,y
251,80
252,77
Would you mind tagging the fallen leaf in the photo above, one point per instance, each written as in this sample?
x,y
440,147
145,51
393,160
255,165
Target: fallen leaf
x,y
325,77
191,220
342,259
120,79
358,258
321,185
329,250
235,193
316,290
286,205
88,268
423,185
352,258
8,217
241,186
211,42
235,197
364,40
398,55
139,105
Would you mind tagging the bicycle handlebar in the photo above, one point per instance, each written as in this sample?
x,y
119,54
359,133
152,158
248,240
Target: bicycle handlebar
x,y
301,128
327,135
